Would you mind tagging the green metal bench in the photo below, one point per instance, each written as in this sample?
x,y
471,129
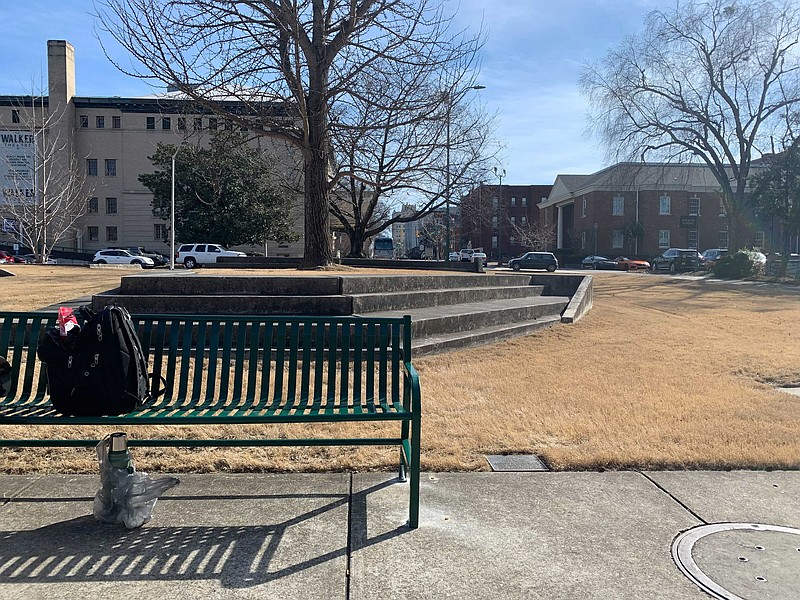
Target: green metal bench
x,y
244,370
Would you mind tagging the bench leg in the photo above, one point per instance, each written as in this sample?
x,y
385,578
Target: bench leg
x,y
414,467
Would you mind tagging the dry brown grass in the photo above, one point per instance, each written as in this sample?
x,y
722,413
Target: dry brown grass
x,y
662,373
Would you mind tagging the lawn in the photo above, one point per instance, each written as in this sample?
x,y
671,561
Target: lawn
x,y
661,373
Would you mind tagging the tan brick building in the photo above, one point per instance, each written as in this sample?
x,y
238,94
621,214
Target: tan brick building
x,y
113,138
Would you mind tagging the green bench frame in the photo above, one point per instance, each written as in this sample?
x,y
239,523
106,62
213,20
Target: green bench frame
x,y
306,370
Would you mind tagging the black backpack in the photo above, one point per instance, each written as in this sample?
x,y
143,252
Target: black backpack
x,y
99,371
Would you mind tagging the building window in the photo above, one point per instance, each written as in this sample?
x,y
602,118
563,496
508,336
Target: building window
x,y
583,240
111,167
181,123
616,238
494,203
617,207
583,208
693,239
663,238
151,122
212,122
694,207
159,232
723,240
116,122
93,233
494,241
100,122
722,211
523,220
14,116
758,240
524,202
545,216
513,201
494,222
111,234
93,204
166,123
111,206
198,123
84,121
513,220
91,167
664,205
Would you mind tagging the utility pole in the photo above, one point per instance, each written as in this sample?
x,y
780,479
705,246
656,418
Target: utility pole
x,y
500,172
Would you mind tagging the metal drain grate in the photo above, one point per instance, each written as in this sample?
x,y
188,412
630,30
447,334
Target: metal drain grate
x,y
516,462
741,561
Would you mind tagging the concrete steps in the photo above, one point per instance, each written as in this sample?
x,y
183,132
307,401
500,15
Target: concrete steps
x,y
447,311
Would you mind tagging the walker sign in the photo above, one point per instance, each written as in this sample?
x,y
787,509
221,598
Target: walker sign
x,y
17,151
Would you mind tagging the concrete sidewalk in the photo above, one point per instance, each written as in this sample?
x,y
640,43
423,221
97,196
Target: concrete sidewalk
x,y
482,535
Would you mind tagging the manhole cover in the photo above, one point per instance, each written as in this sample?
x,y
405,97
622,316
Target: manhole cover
x,y
741,561
516,462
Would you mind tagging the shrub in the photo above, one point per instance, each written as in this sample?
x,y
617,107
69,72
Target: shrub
x,y
737,266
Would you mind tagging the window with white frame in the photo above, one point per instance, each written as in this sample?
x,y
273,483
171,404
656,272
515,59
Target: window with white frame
x,y
494,241
694,206
617,238
513,201
93,205
524,202
523,220
664,205
617,207
159,232
111,234
583,240
494,222
494,202
111,167
583,208
692,243
513,220
663,238
723,240
758,240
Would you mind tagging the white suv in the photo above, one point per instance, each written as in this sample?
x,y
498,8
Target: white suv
x,y
192,255
121,257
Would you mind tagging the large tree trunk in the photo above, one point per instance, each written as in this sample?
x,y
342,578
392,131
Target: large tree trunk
x,y
357,240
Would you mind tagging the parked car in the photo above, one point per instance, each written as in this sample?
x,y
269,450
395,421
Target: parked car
x,y
481,255
31,259
605,264
466,254
676,260
192,255
710,256
7,257
117,256
588,262
159,259
535,260
454,256
631,264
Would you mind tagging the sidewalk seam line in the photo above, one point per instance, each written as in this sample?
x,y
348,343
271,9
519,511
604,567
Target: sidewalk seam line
x,y
349,550
671,495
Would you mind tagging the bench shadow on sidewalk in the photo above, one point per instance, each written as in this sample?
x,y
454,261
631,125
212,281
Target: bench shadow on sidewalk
x,y
85,550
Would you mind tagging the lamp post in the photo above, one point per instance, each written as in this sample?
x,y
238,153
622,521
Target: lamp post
x,y
449,100
500,174
172,214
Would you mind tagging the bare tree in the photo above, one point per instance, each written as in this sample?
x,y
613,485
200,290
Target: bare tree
x,y
44,189
708,81
533,235
413,135
293,64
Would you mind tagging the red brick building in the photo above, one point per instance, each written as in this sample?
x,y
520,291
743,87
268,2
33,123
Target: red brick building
x,y
491,216
641,209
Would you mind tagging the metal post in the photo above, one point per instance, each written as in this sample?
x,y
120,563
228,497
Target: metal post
x,y
447,188
500,174
172,214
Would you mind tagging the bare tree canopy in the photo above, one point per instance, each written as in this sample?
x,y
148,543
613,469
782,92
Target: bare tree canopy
x,y
44,189
299,65
708,81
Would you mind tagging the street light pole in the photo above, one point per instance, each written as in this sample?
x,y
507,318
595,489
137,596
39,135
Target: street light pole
x,y
449,100
500,174
172,214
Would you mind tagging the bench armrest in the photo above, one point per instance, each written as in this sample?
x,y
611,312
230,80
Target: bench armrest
x,y
411,379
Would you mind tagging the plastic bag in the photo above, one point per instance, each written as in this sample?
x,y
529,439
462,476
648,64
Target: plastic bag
x,y
126,496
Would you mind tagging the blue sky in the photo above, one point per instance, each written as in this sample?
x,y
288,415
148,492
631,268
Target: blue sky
x,y
530,67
